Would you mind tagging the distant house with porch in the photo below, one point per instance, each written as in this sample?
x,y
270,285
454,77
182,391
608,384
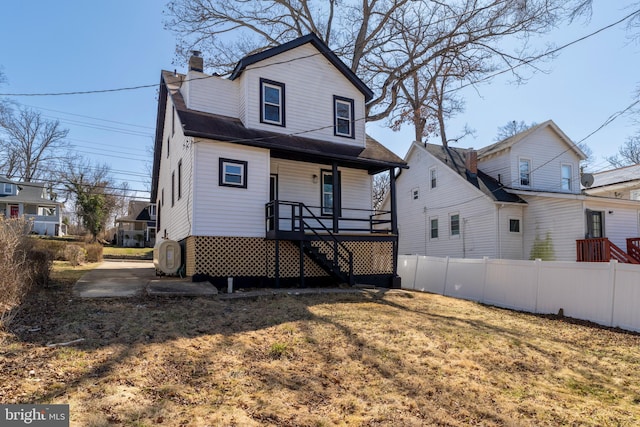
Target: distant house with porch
x,y
32,201
266,176
138,227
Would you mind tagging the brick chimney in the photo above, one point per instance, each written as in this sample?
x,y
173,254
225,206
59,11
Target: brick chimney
x,y
196,63
471,161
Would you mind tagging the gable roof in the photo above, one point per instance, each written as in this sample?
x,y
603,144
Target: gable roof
x,y
512,140
454,158
30,192
320,46
616,176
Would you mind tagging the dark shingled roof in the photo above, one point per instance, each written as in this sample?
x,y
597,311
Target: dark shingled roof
x,y
454,158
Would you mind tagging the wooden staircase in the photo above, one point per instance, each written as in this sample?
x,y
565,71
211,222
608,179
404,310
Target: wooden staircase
x,y
602,250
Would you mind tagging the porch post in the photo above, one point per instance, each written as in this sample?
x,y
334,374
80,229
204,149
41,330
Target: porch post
x,y
336,197
394,207
394,219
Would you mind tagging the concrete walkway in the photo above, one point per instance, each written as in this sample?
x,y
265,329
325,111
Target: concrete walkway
x,y
121,279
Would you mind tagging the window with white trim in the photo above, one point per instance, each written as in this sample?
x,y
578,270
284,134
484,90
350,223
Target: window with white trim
x,y
7,188
566,177
271,102
454,224
433,177
524,166
343,116
233,173
434,228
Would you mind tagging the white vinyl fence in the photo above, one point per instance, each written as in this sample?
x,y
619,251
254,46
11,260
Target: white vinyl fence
x,y
604,293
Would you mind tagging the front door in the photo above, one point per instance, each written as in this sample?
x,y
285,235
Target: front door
x,y
15,211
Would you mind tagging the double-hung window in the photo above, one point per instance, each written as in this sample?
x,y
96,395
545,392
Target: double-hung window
x,y
566,177
271,102
434,228
433,177
525,172
343,116
233,173
455,224
7,188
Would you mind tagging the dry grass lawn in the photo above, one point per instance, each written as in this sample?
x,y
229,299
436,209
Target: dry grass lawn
x,y
396,358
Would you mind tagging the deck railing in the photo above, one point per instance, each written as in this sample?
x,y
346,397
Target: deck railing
x,y
601,250
284,215
633,247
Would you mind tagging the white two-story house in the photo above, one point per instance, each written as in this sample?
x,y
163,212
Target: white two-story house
x,y
519,198
266,175
30,200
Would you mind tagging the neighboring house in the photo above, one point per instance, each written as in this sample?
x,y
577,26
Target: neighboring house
x,y
138,228
519,198
619,183
30,200
266,176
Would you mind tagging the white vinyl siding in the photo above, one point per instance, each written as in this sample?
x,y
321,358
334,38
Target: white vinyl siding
x,y
229,211
295,183
175,219
478,237
560,218
311,82
211,94
620,220
546,151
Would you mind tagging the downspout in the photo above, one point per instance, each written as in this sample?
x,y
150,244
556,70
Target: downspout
x,y
336,197
499,234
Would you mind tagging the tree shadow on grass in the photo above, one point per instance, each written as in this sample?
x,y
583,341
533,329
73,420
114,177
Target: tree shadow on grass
x,y
168,350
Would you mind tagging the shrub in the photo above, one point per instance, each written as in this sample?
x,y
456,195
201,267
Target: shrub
x,y
94,252
21,266
74,254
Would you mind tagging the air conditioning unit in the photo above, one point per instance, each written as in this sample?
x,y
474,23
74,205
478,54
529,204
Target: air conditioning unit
x,y
167,256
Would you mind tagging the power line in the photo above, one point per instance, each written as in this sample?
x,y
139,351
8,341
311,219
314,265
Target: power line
x,y
524,62
89,117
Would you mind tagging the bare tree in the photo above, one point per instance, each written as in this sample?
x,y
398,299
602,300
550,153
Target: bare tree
x,y
628,153
32,144
381,186
391,44
512,128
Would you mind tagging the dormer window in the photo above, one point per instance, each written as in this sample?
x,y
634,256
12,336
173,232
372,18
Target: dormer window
x,y
343,116
271,102
7,188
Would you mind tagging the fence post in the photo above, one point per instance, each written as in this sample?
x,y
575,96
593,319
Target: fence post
x,y
485,261
613,266
446,273
415,273
538,264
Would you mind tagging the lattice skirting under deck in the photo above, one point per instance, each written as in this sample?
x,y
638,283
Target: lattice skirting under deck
x,y
255,257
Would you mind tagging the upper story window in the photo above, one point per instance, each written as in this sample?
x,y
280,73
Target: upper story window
x,y
7,188
566,177
343,116
271,102
152,210
233,173
180,179
433,177
415,193
525,172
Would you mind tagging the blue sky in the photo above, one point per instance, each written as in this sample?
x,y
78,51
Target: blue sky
x,y
66,46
